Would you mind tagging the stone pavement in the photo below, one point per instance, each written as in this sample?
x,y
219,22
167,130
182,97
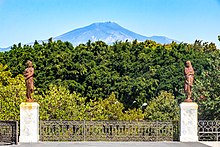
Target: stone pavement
x,y
111,144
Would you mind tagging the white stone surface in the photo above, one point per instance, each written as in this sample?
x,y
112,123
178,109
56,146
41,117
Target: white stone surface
x,y
211,143
188,122
29,122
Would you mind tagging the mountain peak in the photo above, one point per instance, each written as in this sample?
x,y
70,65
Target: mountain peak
x,y
104,23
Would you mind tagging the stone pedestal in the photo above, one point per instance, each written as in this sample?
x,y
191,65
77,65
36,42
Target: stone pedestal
x,y
29,122
188,122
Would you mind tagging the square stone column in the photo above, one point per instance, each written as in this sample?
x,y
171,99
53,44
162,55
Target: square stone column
x,y
188,122
29,122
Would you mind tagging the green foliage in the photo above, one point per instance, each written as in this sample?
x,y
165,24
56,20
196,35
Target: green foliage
x,y
135,71
133,114
162,108
59,104
111,109
107,109
12,93
206,90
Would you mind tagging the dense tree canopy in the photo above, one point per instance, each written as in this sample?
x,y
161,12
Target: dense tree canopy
x,y
162,108
136,72
57,103
12,92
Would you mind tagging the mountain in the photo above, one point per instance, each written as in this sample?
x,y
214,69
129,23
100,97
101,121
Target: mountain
x,y
108,32
5,49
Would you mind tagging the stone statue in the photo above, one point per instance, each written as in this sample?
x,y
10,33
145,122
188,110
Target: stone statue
x,y
189,78
29,80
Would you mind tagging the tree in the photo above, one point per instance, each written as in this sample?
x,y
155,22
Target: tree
x,y
205,90
111,109
107,109
162,108
12,93
59,104
135,71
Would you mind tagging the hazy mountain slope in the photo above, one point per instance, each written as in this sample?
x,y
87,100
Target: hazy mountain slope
x,y
108,32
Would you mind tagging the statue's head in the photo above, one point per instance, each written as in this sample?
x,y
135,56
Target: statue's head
x,y
188,64
29,63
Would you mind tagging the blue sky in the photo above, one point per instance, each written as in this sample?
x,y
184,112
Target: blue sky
x,y
184,20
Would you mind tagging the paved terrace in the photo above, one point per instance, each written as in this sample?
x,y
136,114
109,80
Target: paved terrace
x,y
116,144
